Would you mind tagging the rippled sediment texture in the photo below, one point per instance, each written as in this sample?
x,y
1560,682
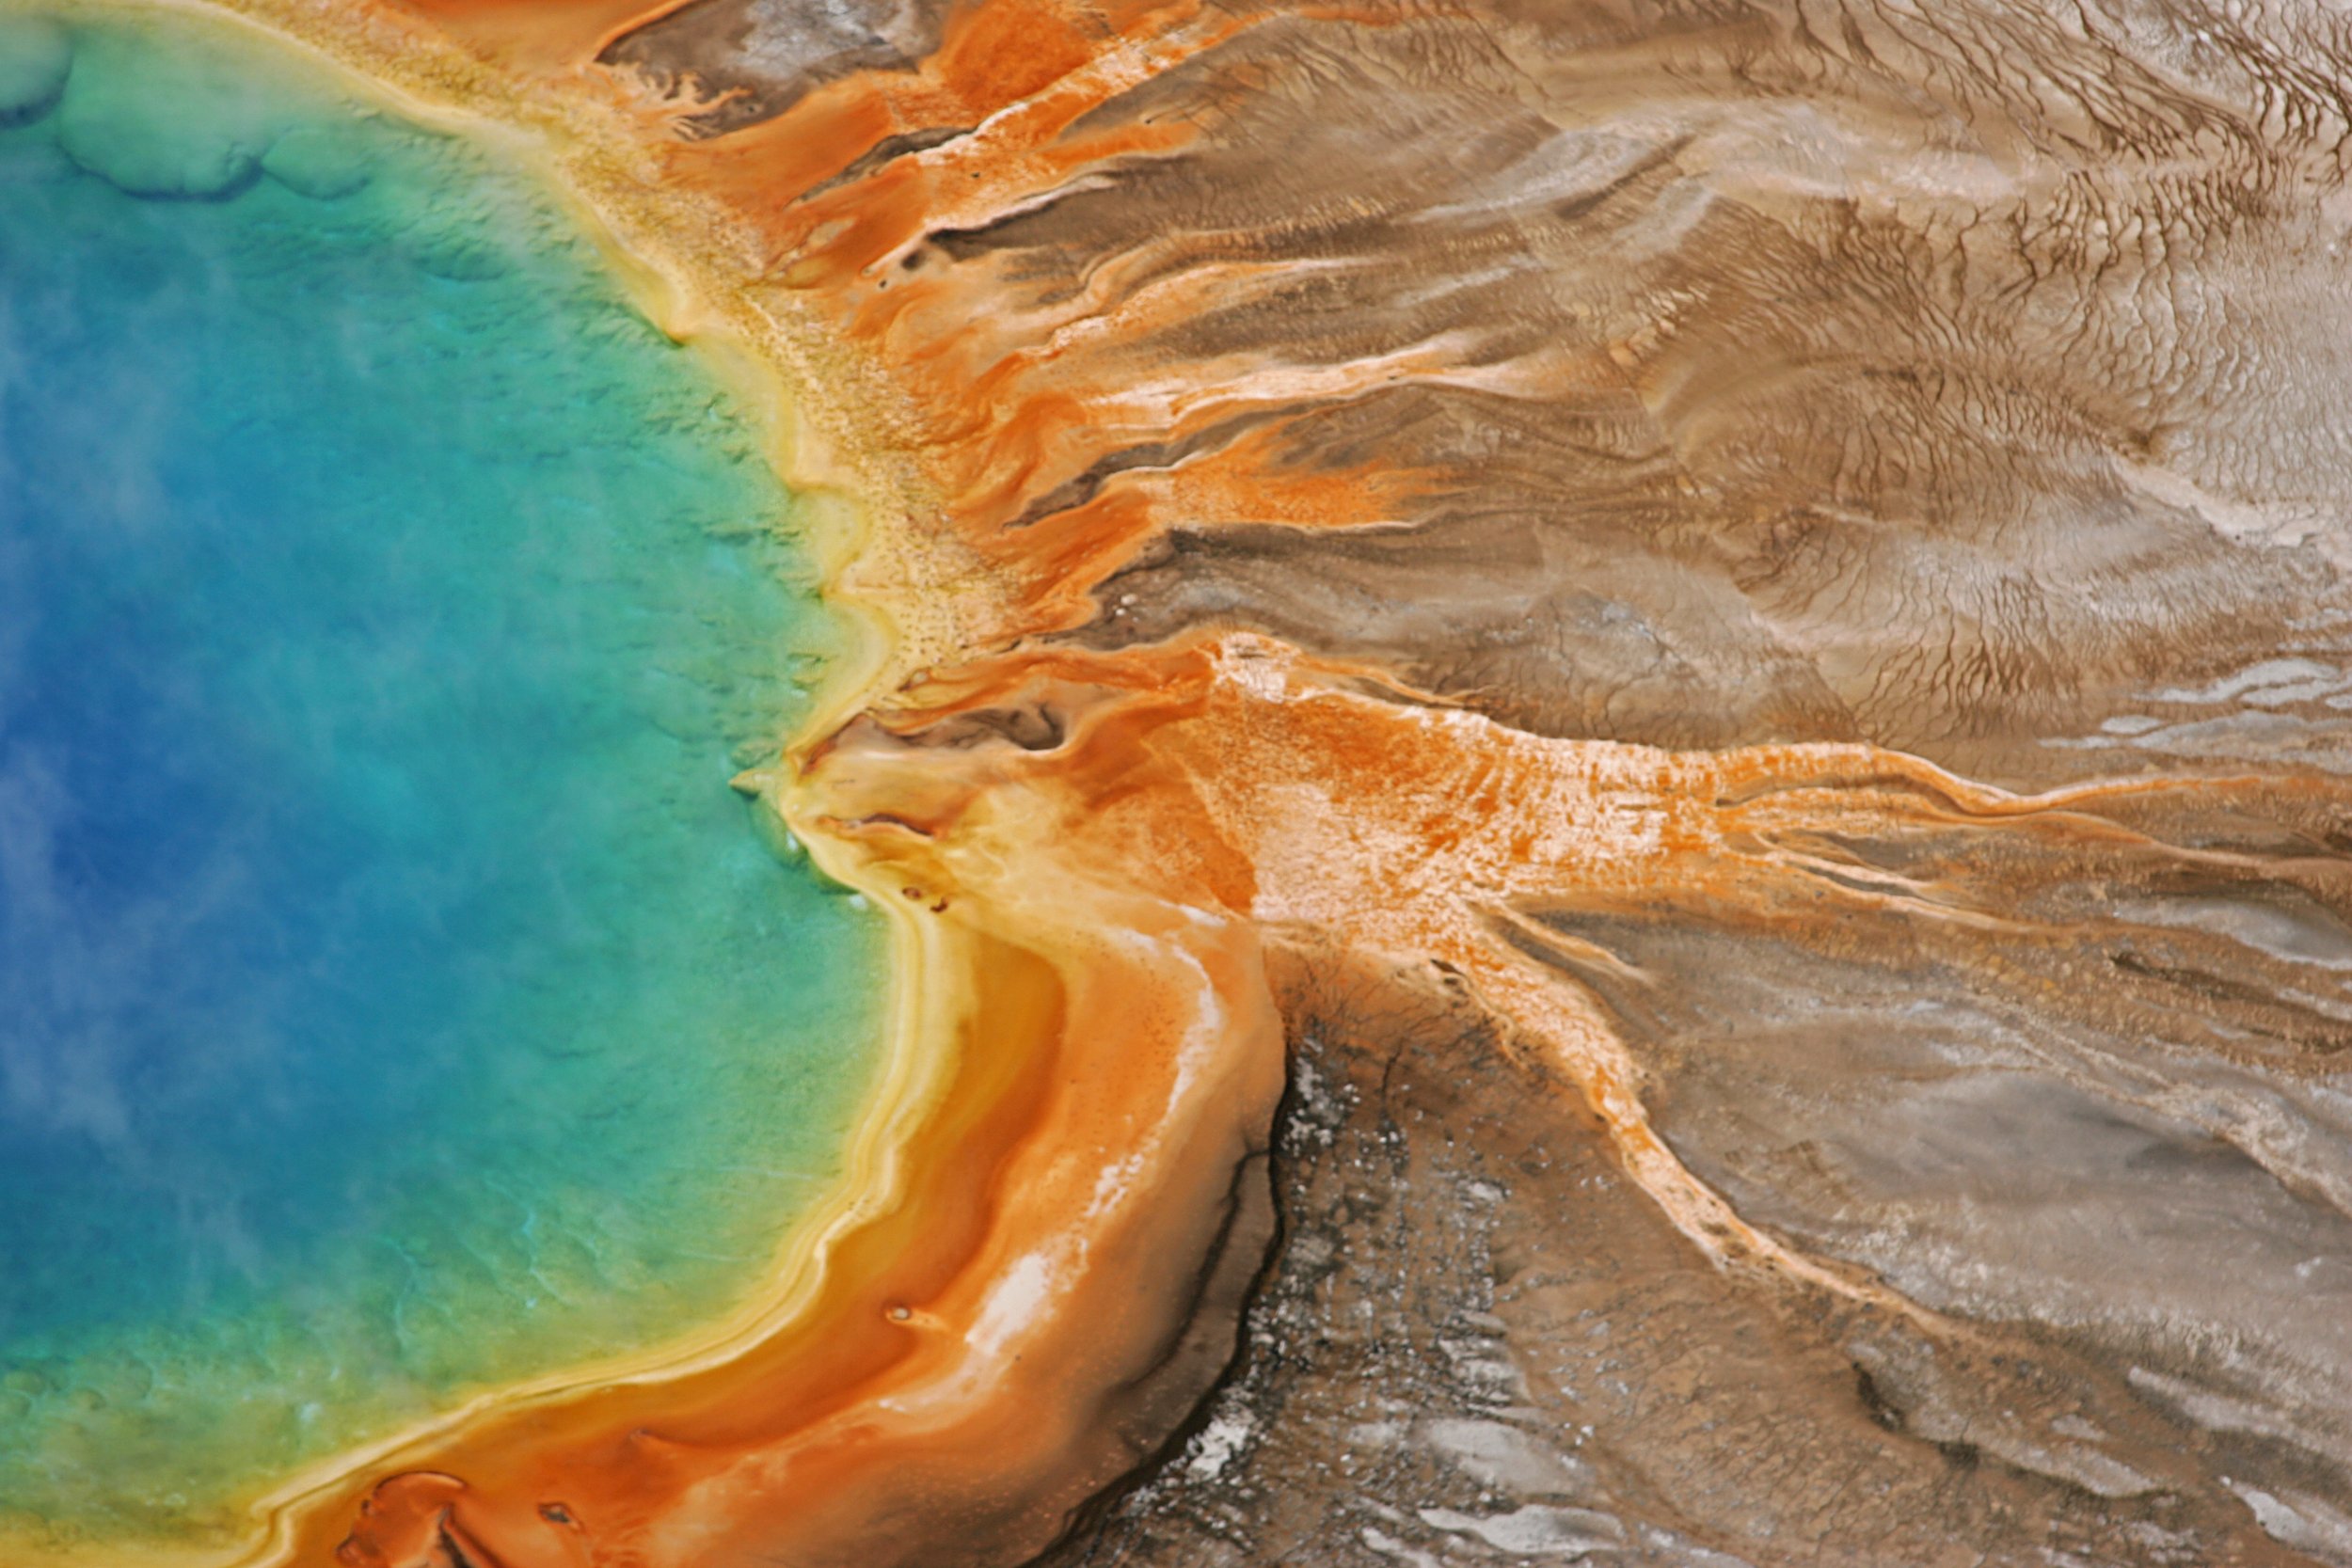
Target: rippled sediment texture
x,y
1721,624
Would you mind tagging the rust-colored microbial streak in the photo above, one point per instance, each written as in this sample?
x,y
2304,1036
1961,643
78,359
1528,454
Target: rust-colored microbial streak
x,y
1089,1045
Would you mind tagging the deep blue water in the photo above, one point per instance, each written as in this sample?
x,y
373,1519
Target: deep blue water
x,y
394,999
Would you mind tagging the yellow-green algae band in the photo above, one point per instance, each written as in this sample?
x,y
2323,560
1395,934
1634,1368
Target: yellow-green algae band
x,y
396,1003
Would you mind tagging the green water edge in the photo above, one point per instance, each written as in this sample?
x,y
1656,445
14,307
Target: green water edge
x,y
166,1429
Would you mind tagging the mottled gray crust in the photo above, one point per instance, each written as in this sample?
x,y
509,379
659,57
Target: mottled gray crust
x,y
753,60
1482,1344
1967,377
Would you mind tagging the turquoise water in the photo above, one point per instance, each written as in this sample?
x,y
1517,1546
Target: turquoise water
x,y
394,999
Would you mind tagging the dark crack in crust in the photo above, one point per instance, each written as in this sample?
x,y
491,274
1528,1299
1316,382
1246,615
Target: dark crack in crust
x,y
1480,1343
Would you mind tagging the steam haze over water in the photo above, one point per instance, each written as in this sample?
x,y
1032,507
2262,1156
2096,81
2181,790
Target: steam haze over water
x,y
394,997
